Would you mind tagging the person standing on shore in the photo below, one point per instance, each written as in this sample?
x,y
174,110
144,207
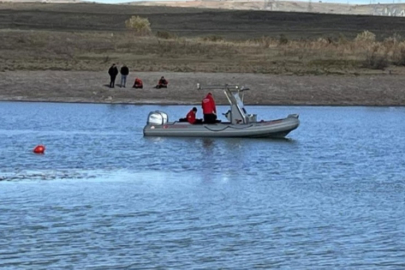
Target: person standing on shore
x,y
113,72
124,73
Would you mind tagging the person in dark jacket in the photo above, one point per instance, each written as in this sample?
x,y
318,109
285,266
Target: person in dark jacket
x,y
113,72
162,83
124,73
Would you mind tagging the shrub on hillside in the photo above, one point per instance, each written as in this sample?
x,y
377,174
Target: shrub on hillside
x,y
398,57
365,36
213,38
165,35
323,41
138,24
342,39
377,58
282,40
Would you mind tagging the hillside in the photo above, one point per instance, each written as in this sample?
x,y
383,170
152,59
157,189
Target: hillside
x,y
193,22
384,9
87,36
288,6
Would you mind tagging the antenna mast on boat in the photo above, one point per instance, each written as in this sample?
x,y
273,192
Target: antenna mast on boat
x,y
229,90
223,87
235,95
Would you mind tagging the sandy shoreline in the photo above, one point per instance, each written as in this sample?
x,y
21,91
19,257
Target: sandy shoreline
x,y
92,87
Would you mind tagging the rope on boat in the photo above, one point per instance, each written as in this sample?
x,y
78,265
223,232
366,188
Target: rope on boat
x,y
227,127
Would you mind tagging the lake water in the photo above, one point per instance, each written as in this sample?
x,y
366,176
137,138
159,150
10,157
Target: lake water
x,y
102,196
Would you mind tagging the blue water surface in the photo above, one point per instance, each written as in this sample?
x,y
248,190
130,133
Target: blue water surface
x,y
331,196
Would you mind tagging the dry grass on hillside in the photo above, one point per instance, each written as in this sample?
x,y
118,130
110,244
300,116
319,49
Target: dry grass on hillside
x,y
44,50
92,36
194,22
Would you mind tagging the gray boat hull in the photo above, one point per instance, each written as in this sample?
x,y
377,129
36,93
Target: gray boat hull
x,y
264,129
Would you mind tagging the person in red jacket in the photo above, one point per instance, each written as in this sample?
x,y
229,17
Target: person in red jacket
x,y
191,117
138,83
209,109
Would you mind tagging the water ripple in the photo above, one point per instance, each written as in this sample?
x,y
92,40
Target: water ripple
x,y
105,197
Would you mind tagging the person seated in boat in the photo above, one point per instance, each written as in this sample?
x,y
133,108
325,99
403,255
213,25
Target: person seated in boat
x,y
191,117
138,83
162,83
209,109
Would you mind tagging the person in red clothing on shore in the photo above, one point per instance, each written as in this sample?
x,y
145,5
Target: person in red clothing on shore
x,y
162,83
191,117
138,83
209,109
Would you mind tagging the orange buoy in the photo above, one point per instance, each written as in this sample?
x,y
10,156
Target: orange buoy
x,y
39,149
